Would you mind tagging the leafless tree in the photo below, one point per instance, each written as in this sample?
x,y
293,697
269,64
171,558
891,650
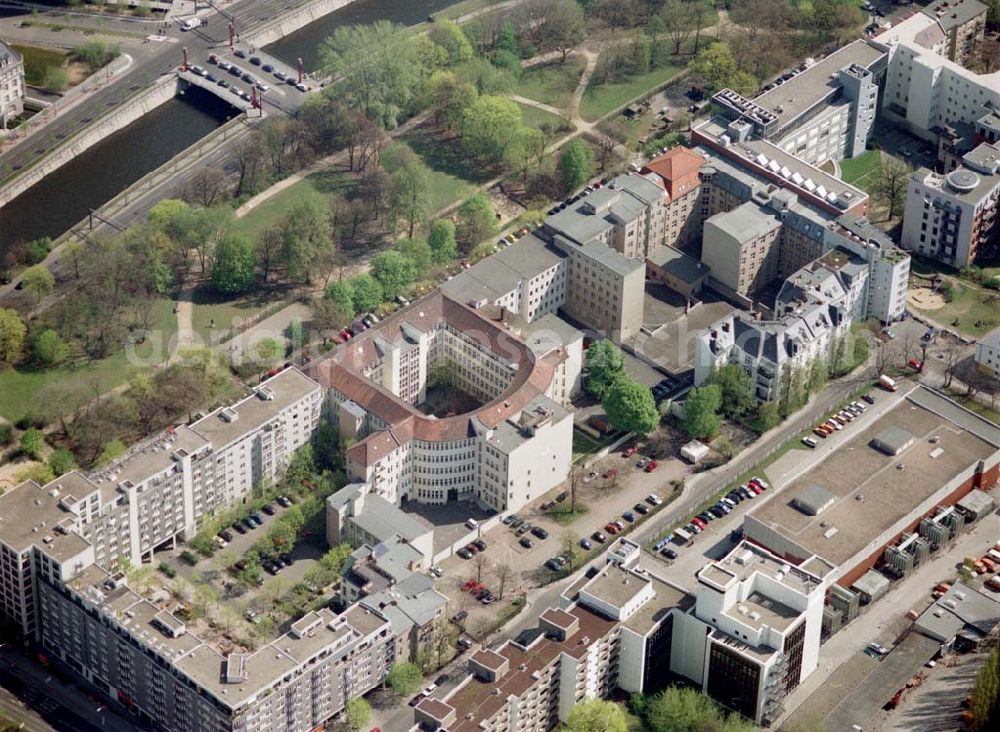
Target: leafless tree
x,y
569,541
483,566
575,478
504,574
207,187
268,249
952,355
890,185
250,166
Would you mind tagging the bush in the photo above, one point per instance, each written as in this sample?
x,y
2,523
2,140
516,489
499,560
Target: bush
x,y
6,434
188,558
947,291
167,570
30,420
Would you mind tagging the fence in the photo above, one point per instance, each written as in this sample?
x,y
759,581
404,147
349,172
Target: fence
x,y
220,336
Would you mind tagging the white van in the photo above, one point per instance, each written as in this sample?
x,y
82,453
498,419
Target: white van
x,y
472,523
192,23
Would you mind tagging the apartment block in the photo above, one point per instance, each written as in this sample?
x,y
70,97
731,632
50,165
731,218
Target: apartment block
x,y
960,23
988,352
140,652
613,631
358,517
677,172
953,217
156,493
11,85
497,436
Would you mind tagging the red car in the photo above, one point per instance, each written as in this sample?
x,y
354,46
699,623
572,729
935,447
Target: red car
x,y
651,467
629,451
611,528
609,474
345,334
468,585
916,364
698,522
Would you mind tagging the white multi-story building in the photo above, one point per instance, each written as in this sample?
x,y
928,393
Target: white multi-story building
x,y
156,493
953,217
812,312
512,438
11,85
988,352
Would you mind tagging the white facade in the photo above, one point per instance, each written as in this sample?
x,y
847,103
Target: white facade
x,y
988,352
11,85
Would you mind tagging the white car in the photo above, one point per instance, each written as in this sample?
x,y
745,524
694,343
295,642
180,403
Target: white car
x,y
654,499
430,689
437,571
590,476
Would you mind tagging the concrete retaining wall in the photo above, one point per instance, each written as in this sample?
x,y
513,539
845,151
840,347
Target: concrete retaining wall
x,y
160,93
290,22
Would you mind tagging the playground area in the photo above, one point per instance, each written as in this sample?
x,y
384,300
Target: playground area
x,y
924,298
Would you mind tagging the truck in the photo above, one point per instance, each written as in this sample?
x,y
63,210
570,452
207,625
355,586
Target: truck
x,y
191,23
887,383
682,537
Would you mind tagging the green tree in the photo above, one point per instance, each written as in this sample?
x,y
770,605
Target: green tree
x,y
268,352
48,349
561,27
342,293
32,443
38,472
366,292
38,282
630,406
111,451
418,253
717,68
393,271
488,126
701,419
306,237
677,709
378,66
818,375
450,37
507,39
235,264
56,79
404,678
605,366
768,417
642,55
449,98
358,713
576,164
476,221
12,333
738,399
62,461
986,694
596,715
525,151
444,247
410,193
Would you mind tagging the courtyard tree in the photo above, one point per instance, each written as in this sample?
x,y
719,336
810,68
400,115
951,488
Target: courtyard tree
x,y
404,678
341,293
483,566
306,235
596,715
890,185
716,66
62,461
678,709
409,192
701,419
678,21
488,126
605,366
630,407
418,253
393,271
768,417
738,399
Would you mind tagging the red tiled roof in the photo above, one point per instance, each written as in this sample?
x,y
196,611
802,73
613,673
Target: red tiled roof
x,y
343,370
678,170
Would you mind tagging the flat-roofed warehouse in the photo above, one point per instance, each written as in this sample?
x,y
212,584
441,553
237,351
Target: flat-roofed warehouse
x,y
877,497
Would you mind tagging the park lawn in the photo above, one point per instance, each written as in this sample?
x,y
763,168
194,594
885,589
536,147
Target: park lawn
x,y
22,389
969,305
453,176
551,84
861,171
271,211
600,100
535,117
225,313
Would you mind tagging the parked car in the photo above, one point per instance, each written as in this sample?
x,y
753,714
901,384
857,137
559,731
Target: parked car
x,y
585,543
255,60
641,508
598,537
480,545
562,497
239,527
548,504
464,553
248,522
611,528
540,532
472,548
268,509
509,519
459,616
651,466
417,699
256,517
609,474
629,516
553,564
629,451
643,462
525,542
809,442
654,499
226,535
868,398
437,571
669,553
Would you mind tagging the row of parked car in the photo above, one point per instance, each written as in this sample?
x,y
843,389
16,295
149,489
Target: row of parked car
x,y
471,549
722,508
480,592
522,528
838,421
590,188
251,521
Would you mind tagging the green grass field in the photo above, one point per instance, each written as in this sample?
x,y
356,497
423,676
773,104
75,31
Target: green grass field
x,y
453,178
970,304
534,117
861,171
208,308
23,390
270,211
601,99
551,84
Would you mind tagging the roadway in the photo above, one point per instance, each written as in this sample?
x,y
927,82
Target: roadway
x,y
152,60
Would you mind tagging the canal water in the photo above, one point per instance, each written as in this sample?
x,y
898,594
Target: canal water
x,y
93,178
305,42
100,173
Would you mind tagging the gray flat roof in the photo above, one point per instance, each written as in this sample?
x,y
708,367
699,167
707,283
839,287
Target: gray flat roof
x,y
677,263
288,387
747,221
28,516
807,88
952,13
383,520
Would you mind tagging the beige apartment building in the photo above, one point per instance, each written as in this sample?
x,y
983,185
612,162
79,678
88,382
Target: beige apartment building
x,y
11,85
